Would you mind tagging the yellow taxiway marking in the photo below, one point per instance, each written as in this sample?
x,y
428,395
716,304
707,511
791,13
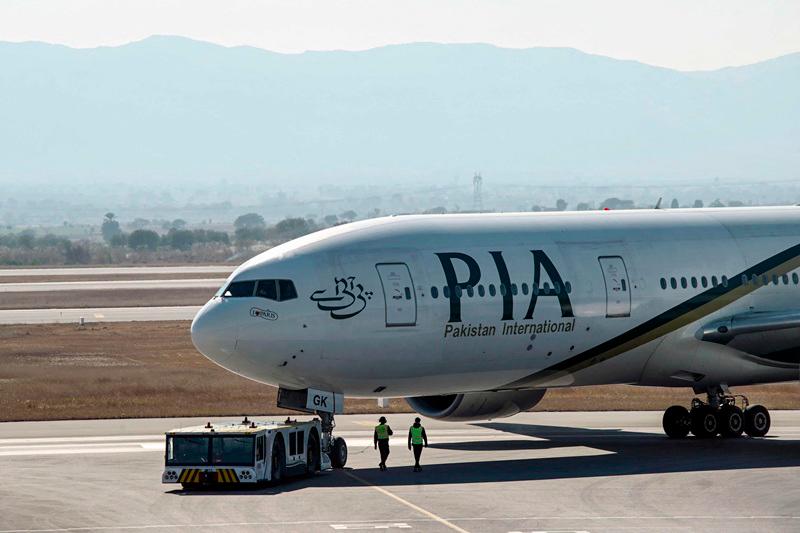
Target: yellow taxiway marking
x,y
407,503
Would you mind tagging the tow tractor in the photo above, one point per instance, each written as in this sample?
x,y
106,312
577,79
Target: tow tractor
x,y
246,453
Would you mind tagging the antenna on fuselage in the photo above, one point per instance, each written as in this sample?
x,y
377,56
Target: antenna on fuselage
x,y
658,203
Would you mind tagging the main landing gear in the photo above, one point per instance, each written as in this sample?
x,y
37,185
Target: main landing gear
x,y
720,415
335,447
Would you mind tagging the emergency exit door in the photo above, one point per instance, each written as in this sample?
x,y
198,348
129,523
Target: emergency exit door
x,y
398,293
618,293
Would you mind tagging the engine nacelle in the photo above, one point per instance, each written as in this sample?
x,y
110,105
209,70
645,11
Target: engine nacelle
x,y
475,405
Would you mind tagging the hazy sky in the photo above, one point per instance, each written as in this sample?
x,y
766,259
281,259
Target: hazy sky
x,y
682,34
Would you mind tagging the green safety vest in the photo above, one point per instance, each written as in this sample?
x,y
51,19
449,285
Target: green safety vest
x,y
416,435
383,431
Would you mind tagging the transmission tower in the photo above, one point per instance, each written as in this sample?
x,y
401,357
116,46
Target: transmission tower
x,y
477,193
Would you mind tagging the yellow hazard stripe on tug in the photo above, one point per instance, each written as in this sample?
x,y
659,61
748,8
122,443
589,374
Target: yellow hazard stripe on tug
x,y
227,475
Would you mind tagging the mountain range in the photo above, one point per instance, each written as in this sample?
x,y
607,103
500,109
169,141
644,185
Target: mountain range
x,y
175,109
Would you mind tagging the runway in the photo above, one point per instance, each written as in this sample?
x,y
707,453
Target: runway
x,y
144,284
97,314
110,271
532,472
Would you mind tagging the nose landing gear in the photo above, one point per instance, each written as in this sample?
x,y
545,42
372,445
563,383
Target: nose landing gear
x,y
335,447
720,415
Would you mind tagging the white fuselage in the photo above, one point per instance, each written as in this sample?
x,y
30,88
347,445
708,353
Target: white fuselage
x,y
424,305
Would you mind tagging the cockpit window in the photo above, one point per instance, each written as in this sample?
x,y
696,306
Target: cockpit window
x,y
240,289
288,292
267,288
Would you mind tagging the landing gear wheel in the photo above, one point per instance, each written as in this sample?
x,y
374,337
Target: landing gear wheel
x,y
756,420
313,461
339,455
731,421
676,422
704,422
278,464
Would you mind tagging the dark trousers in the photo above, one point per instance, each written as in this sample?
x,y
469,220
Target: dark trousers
x,y
417,453
383,448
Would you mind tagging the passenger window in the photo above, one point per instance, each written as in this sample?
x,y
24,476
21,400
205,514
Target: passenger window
x,y
704,282
683,283
267,288
546,288
673,283
457,290
744,279
724,281
774,279
754,279
795,278
568,286
434,292
481,291
694,282
525,288
446,291
240,289
287,290
492,292
785,278
535,290
470,291
663,284
503,290
557,286
713,281
514,289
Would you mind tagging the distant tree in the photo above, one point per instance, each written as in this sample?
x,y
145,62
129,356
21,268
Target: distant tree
x,y
143,239
249,220
536,208
331,219
110,227
179,223
26,239
616,203
140,223
438,210
215,236
348,215
582,206
248,235
698,203
735,203
76,254
716,203
674,204
561,204
180,239
119,240
374,213
290,228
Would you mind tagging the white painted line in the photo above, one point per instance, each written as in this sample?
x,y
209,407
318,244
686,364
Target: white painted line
x,y
352,527
407,503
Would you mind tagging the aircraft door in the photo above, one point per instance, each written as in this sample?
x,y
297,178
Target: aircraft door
x,y
398,293
618,293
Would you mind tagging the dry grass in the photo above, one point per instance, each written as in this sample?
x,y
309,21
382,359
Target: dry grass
x,y
104,298
143,369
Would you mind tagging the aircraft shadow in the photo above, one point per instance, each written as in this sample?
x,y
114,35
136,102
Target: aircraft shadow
x,y
630,454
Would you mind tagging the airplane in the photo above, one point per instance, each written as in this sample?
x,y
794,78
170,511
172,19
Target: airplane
x,y
474,316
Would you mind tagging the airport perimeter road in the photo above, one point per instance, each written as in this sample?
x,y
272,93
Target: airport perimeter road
x,y
111,271
532,472
99,314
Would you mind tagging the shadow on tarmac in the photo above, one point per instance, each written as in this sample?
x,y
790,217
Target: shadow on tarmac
x,y
631,454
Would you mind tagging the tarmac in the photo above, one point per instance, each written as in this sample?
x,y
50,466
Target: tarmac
x,y
97,314
600,471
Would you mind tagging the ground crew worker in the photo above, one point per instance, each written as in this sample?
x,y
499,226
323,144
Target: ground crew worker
x,y
381,440
416,438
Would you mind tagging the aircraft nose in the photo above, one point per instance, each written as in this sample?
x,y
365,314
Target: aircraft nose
x,y
213,333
